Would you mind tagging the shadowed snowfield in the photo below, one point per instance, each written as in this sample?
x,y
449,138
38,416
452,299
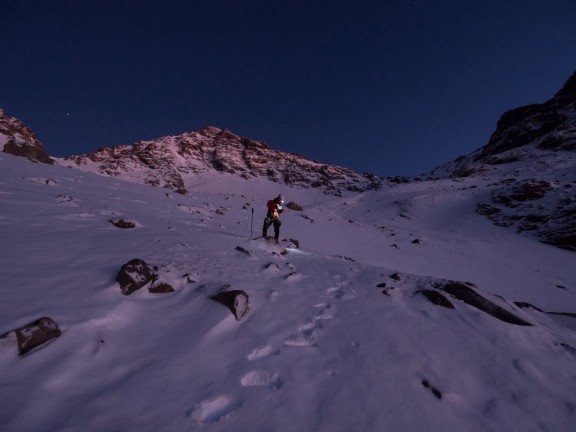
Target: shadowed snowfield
x,y
339,336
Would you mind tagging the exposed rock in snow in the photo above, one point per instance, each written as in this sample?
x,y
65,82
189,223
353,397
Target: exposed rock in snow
x,y
465,293
435,297
34,334
121,223
161,288
293,206
236,300
434,390
134,275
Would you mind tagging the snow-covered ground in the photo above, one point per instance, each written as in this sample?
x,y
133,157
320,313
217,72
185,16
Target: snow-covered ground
x,y
323,348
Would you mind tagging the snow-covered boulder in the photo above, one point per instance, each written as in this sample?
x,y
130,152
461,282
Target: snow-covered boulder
x,y
134,275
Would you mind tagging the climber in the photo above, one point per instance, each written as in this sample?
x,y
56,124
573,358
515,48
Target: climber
x,y
273,217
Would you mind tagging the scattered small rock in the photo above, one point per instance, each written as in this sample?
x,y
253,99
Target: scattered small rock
x,y
121,223
566,346
308,218
241,249
293,206
345,258
161,288
295,243
188,278
434,390
62,198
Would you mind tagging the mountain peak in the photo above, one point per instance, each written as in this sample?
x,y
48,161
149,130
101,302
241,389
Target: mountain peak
x,y
175,162
225,136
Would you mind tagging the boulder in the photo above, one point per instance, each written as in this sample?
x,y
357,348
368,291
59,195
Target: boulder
x,y
134,275
34,334
236,300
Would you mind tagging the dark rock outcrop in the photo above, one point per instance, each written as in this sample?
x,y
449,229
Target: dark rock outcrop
x,y
546,209
550,125
437,298
465,293
19,140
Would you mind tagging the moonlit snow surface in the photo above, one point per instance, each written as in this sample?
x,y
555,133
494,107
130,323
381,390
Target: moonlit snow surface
x,y
323,347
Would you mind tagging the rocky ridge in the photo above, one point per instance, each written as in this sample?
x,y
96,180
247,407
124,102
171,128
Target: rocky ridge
x,y
18,139
170,161
529,169
548,126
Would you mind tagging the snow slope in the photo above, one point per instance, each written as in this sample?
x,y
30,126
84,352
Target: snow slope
x,y
323,348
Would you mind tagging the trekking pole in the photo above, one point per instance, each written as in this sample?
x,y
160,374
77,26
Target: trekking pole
x,y
251,222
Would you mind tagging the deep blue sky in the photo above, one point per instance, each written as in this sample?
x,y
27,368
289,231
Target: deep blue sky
x,y
392,87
